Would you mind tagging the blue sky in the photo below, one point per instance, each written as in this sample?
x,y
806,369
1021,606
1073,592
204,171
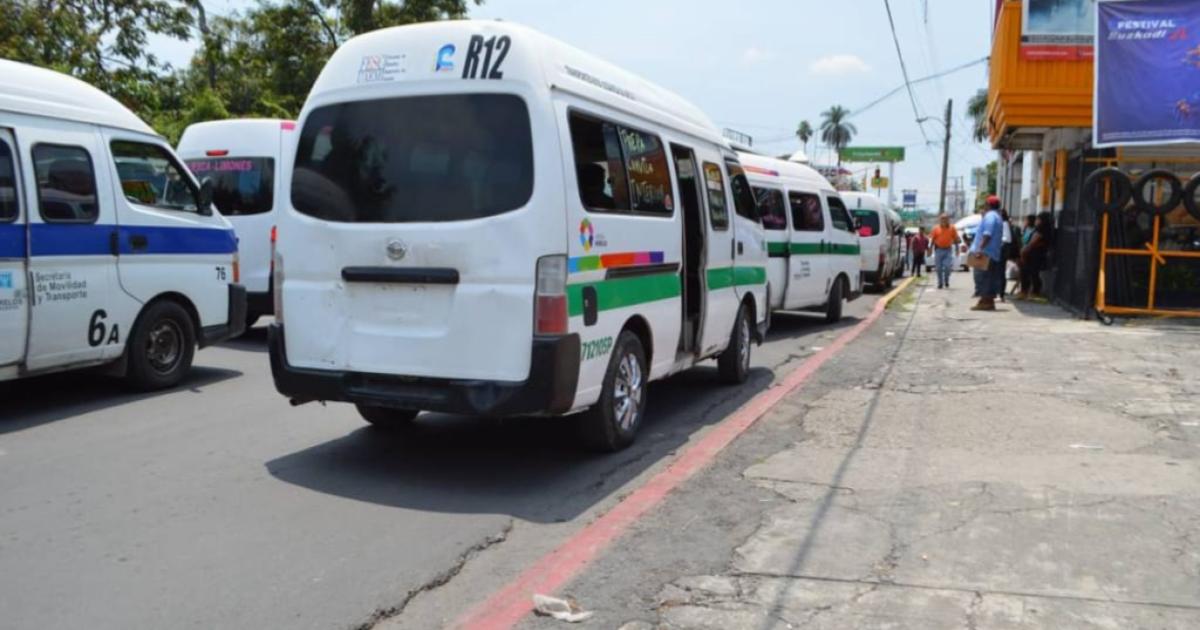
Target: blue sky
x,y
762,66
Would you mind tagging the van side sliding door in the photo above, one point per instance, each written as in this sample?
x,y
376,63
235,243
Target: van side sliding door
x,y
14,294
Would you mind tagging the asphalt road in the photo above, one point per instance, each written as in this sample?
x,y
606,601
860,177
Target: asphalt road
x,y
218,505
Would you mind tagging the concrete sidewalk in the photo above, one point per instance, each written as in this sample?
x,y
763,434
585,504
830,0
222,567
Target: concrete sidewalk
x,y
1017,469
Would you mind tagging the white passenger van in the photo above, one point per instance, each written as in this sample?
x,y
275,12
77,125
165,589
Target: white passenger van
x,y
880,231
813,247
110,252
488,221
241,158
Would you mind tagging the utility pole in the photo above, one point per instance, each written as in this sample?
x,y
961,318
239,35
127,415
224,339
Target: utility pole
x,y
946,154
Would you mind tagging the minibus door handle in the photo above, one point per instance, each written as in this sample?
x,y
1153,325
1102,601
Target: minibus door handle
x,y
739,248
114,243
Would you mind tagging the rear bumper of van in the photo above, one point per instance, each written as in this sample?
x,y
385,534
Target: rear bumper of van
x,y
234,326
550,388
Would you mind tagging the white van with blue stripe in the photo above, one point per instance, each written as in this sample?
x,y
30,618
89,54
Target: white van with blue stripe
x,y
110,252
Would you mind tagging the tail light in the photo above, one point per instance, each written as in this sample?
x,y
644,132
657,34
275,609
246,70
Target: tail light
x,y
237,268
276,279
550,296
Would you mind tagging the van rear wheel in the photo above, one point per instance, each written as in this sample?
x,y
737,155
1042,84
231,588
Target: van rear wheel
x,y
387,417
833,310
161,347
734,363
611,424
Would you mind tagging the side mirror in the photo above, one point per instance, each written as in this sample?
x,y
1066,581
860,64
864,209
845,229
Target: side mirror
x,y
205,206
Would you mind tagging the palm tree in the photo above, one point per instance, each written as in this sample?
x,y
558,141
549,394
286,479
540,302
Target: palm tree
x,y
836,130
977,110
804,132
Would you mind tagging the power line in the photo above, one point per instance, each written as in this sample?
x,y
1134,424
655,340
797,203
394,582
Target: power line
x,y
904,69
921,80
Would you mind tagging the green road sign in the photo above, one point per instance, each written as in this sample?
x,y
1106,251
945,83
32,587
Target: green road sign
x,y
873,154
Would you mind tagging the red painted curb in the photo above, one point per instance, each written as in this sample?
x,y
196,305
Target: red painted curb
x,y
504,608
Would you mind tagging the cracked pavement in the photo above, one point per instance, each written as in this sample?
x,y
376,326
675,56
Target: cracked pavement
x,y
949,469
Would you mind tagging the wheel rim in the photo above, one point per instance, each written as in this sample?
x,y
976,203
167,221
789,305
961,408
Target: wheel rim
x,y
744,345
627,392
164,346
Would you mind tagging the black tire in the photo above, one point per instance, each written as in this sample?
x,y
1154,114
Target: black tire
x,y
1189,196
387,417
1093,190
733,364
161,347
833,309
1173,199
602,428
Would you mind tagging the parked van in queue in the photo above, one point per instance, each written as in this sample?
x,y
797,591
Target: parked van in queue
x,y
880,234
110,251
814,249
485,220
242,159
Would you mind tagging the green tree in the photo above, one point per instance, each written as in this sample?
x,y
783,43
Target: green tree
x,y
977,111
836,130
804,132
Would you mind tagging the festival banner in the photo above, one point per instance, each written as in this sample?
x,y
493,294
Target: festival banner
x,y
1147,72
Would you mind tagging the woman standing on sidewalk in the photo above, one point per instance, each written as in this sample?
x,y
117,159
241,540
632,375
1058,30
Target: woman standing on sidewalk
x,y
1034,256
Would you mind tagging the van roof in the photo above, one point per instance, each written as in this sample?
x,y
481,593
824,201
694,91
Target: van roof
x,y
534,57
858,198
26,89
762,165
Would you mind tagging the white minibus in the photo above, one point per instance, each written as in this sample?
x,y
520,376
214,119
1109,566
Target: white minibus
x,y
110,252
814,250
241,158
484,220
880,232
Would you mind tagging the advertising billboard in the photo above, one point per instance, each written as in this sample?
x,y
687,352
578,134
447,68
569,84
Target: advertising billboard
x,y
1147,73
1057,29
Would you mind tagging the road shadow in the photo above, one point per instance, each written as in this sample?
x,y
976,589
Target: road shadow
x,y
528,468
793,324
253,340
1038,308
39,400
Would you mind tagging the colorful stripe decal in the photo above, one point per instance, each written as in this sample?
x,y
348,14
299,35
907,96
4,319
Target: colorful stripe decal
x,y
760,171
609,261
735,277
66,239
622,292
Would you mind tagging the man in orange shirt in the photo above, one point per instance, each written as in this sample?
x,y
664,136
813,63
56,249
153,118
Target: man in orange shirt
x,y
945,240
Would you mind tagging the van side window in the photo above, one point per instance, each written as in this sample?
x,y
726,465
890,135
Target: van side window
x,y
714,183
839,215
649,179
150,177
620,169
8,184
66,184
743,198
770,205
870,222
806,212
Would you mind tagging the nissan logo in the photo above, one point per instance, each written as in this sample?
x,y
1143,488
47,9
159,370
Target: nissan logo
x,y
396,250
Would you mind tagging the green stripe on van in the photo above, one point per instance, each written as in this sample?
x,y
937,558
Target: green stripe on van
x,y
845,250
622,292
777,248
735,276
810,249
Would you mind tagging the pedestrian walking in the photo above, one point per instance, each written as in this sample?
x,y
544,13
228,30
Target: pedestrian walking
x,y
945,242
1008,247
989,243
919,245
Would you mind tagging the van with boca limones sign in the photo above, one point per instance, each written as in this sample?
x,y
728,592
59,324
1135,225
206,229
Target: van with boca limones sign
x,y
487,221
110,251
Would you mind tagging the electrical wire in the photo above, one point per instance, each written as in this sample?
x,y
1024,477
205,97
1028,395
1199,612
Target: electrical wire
x,y
921,80
904,70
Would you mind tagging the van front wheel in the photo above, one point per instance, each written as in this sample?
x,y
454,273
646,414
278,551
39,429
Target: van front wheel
x,y
734,363
386,417
161,348
833,310
611,424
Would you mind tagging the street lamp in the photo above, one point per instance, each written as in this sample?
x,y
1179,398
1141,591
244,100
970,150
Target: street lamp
x,y
945,151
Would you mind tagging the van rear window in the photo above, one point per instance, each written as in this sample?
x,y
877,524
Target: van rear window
x,y
869,220
240,185
415,159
